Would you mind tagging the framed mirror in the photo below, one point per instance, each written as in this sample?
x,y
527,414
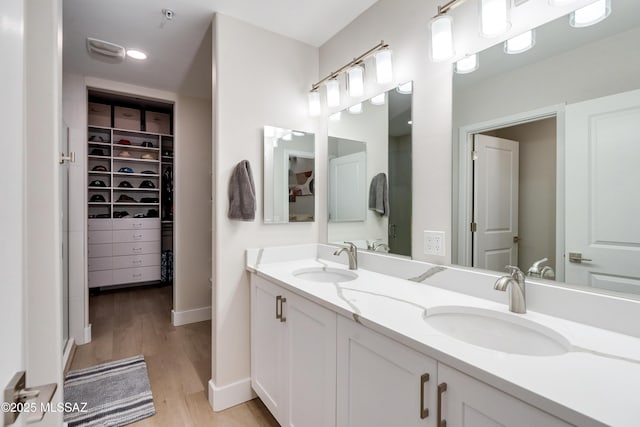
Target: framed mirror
x,y
545,151
289,175
369,168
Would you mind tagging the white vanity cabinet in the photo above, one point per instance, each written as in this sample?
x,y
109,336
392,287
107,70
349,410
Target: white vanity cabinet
x,y
382,382
468,402
293,356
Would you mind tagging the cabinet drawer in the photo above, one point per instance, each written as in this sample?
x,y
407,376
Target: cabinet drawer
x,y
138,248
136,223
102,263
103,236
101,250
99,224
139,274
100,278
122,236
136,261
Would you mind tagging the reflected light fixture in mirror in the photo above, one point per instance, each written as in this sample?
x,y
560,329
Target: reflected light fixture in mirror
x,y
441,38
468,64
356,109
314,103
494,17
520,43
355,80
405,88
335,116
590,14
384,68
378,99
333,92
561,2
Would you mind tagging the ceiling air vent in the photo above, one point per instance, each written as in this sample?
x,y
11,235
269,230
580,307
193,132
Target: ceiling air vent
x,y
105,51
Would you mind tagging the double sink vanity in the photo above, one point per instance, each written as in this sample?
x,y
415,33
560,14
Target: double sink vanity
x,y
390,343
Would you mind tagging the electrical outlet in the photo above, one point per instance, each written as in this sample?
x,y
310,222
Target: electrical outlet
x,y
434,243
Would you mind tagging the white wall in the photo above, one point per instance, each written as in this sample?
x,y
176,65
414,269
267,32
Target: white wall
x,y
260,78
404,25
192,208
372,128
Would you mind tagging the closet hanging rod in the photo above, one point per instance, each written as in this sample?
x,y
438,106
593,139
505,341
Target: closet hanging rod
x,y
359,59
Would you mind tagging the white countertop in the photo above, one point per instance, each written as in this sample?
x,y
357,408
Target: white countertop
x,y
596,383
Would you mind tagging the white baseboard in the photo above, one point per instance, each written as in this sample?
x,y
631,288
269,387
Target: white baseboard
x,y
221,398
179,318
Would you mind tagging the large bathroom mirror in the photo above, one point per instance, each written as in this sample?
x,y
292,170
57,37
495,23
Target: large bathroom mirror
x,y
546,152
370,173
289,175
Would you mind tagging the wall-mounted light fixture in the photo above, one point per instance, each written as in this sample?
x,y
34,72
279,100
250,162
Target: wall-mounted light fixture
x,y
378,99
520,43
354,77
494,17
590,14
356,109
468,64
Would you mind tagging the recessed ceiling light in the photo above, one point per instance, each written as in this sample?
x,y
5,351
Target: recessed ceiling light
x,y
136,54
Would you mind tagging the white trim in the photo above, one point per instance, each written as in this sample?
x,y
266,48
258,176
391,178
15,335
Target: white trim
x,y
67,352
465,187
221,398
179,318
87,334
129,89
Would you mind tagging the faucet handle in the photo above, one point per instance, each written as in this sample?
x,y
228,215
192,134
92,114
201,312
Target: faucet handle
x,y
515,271
352,246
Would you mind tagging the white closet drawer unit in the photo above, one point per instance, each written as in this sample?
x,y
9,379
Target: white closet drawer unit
x,y
137,248
140,274
102,263
136,261
124,236
95,237
136,223
100,278
99,224
100,250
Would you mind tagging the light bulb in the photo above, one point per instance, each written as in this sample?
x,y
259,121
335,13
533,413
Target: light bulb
x,y
384,66
494,17
355,80
378,99
520,43
314,103
590,14
356,109
333,92
468,64
441,38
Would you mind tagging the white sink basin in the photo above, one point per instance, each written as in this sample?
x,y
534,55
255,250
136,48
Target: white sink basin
x,y
497,331
325,275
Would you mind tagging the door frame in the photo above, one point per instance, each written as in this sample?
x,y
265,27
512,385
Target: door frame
x,y
464,215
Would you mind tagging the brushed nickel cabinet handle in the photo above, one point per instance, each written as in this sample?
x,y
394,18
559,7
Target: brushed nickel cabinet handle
x,y
442,387
279,307
424,412
282,301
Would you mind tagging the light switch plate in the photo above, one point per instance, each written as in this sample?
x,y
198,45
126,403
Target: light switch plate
x,y
434,243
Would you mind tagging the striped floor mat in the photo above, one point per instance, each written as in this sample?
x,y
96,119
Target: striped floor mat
x,y
112,394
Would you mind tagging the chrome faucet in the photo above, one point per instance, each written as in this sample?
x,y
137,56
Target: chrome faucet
x,y
352,252
517,296
377,245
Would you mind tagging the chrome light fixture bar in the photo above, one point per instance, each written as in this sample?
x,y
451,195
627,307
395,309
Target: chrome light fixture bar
x,y
355,76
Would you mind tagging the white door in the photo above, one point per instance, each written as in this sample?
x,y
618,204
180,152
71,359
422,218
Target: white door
x,y
348,188
602,192
12,357
495,202
381,382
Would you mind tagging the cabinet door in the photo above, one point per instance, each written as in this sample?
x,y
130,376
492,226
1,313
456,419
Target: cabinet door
x,y
381,382
267,341
470,403
310,363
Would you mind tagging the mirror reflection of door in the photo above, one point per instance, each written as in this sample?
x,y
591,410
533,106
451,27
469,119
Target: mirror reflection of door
x,y
514,197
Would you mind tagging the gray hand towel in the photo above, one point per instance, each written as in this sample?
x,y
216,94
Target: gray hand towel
x,y
242,193
378,195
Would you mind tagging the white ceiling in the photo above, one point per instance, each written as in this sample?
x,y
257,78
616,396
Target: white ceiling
x,y
174,47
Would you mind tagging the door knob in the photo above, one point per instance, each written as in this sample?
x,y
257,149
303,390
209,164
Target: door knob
x,y
33,401
576,257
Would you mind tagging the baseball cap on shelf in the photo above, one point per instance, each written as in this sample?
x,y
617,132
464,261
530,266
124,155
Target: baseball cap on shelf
x,y
120,214
147,184
99,168
97,183
147,144
125,184
124,142
149,172
126,170
152,213
125,198
97,138
124,154
97,198
149,200
97,152
148,156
